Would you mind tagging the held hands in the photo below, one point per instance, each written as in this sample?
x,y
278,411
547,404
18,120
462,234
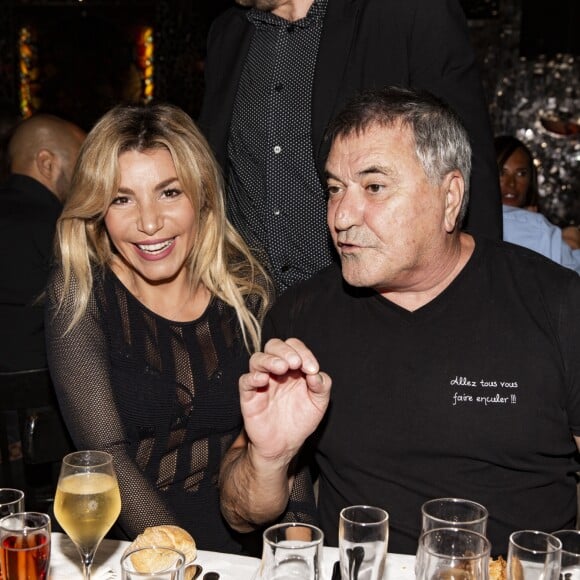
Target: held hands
x,y
283,397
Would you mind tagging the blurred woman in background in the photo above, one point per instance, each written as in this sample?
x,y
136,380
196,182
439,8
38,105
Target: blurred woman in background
x,y
518,179
517,173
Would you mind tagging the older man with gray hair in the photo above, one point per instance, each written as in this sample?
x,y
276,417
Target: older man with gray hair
x,y
453,359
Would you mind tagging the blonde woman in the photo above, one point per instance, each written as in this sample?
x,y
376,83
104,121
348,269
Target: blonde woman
x,y
153,308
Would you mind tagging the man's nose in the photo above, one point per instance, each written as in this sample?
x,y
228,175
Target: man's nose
x,y
348,210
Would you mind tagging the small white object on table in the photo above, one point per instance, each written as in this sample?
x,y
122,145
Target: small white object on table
x,y
65,562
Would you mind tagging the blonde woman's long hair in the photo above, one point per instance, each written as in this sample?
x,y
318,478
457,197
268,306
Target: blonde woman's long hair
x,y
219,259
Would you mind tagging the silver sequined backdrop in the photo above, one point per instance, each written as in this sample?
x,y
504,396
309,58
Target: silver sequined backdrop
x,y
537,99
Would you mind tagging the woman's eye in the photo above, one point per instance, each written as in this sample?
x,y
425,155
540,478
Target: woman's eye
x,y
375,187
169,193
120,200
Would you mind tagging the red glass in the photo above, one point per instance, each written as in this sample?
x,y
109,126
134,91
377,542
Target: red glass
x,y
25,557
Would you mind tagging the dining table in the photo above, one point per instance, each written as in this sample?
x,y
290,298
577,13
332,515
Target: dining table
x,y
65,562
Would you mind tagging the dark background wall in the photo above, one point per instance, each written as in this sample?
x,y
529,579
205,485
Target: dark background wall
x,y
528,52
86,50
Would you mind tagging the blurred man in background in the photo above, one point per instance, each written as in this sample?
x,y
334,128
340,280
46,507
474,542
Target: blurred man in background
x,y
41,153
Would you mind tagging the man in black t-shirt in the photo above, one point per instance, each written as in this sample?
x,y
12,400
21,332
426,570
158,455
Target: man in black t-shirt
x,y
454,359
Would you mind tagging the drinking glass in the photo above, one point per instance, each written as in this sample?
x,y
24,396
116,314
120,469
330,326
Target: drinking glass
x,y
291,551
452,554
154,563
11,501
454,512
25,546
533,555
570,565
87,501
363,535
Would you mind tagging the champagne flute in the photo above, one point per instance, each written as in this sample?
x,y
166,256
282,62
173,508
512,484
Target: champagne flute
x,y
87,501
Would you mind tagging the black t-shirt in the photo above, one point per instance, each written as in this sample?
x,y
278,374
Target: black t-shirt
x,y
474,395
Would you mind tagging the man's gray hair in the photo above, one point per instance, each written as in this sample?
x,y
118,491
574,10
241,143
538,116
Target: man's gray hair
x,y
441,141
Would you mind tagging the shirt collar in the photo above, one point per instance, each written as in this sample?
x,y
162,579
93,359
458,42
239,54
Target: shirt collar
x,y
316,12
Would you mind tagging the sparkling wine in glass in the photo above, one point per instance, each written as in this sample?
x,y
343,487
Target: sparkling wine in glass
x,y
87,501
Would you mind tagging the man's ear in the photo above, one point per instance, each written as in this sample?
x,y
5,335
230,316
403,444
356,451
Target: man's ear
x,y
454,191
45,161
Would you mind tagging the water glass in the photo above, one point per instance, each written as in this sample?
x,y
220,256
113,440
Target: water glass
x,y
452,554
153,563
533,555
11,501
363,536
291,551
25,546
570,565
453,512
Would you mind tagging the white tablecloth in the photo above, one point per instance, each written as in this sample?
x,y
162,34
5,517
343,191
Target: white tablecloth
x,y
65,562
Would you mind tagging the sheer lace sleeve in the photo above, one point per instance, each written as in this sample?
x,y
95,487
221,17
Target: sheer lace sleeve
x,y
80,369
302,502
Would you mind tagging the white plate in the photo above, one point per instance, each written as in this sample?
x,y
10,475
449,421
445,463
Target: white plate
x,y
65,561
229,566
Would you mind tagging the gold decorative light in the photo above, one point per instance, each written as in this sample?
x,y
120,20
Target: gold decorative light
x,y
145,50
28,71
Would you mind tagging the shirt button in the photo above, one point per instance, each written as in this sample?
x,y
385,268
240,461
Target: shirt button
x,y
277,149
278,87
290,29
285,268
277,211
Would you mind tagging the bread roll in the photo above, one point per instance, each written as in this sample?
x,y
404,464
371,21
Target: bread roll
x,y
497,569
162,537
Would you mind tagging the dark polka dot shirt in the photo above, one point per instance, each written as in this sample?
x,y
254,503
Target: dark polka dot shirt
x,y
275,197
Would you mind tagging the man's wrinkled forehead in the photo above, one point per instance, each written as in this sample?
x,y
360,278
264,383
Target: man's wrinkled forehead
x,y
351,139
367,126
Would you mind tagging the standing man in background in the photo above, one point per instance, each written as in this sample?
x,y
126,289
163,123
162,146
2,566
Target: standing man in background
x,y
41,153
277,71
